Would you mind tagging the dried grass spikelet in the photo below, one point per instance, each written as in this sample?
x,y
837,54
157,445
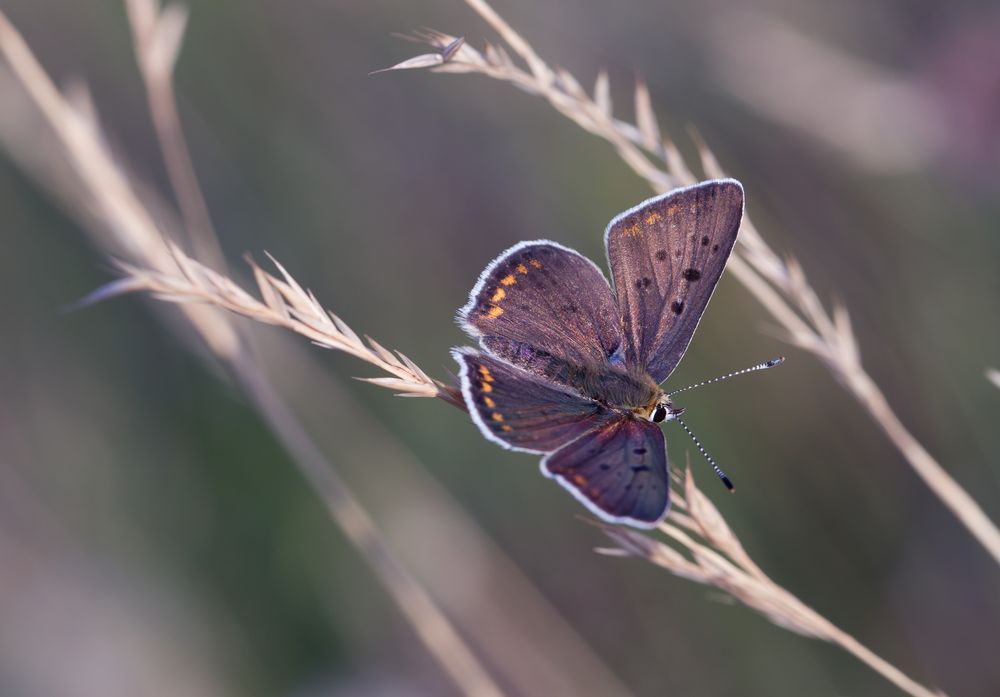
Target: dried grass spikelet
x,y
707,551
779,283
714,555
102,196
716,558
282,302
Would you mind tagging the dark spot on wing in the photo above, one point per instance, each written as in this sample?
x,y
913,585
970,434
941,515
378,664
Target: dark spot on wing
x,y
604,467
643,282
705,241
661,255
640,468
677,253
691,274
677,306
639,451
715,247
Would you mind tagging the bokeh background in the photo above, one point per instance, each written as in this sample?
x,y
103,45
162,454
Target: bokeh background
x,y
155,539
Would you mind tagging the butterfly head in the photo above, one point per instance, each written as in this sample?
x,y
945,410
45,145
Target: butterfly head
x,y
664,410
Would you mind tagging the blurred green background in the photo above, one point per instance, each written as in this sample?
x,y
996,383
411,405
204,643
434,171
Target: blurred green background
x,y
155,539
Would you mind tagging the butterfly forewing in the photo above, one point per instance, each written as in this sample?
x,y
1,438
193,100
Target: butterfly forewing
x,y
538,301
518,410
666,256
619,471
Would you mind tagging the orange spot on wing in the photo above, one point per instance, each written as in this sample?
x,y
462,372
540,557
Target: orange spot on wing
x,y
672,210
579,479
485,386
499,295
485,372
521,268
505,427
633,230
652,218
494,312
537,264
496,416
489,402
508,280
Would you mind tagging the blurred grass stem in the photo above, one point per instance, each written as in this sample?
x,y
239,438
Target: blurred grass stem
x,y
134,229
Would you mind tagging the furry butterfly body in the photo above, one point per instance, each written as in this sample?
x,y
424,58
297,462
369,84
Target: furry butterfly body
x,y
569,365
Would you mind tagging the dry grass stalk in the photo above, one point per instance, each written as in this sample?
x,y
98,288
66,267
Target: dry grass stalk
x,y
713,556
284,303
165,270
128,226
157,35
717,558
778,283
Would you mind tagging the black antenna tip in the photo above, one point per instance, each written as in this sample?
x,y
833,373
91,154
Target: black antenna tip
x,y
729,484
775,361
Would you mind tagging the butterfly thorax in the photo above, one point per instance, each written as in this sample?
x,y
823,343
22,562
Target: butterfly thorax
x,y
619,388
613,386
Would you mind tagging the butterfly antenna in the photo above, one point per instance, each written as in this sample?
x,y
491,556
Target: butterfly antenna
x,y
711,460
752,369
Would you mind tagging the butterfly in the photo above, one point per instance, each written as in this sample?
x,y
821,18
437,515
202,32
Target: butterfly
x,y
569,366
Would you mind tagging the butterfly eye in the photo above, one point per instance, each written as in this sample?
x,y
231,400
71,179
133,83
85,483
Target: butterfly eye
x,y
659,413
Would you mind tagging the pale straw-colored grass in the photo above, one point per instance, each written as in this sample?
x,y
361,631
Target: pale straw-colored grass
x,y
706,549
282,302
110,205
709,552
777,282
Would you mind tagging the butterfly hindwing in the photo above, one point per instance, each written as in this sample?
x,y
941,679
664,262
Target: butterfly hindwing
x,y
538,301
618,470
521,411
666,256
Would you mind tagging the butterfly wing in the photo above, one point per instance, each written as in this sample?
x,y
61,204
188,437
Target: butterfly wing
x,y
666,256
539,300
520,411
618,470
